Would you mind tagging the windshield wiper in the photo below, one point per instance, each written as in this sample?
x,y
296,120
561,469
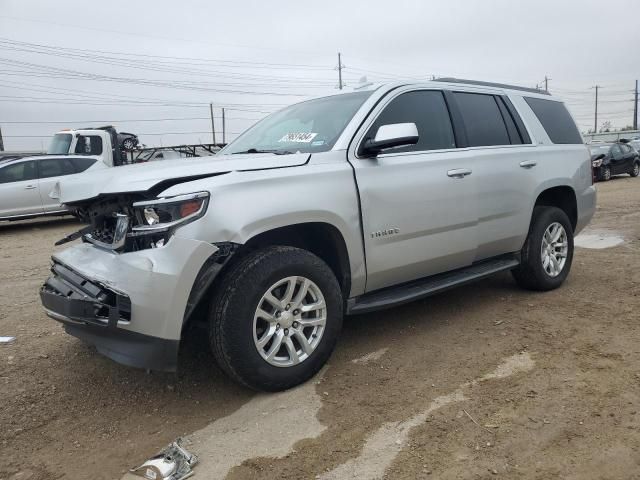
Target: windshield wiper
x,y
256,150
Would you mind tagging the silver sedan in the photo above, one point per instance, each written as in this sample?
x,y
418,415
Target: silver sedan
x,y
25,183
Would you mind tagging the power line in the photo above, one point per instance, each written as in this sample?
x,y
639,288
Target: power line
x,y
76,122
139,134
172,39
145,82
173,59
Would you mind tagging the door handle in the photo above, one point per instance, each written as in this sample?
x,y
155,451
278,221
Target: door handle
x,y
459,172
528,164
30,187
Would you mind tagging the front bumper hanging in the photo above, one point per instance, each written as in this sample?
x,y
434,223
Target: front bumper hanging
x,y
93,313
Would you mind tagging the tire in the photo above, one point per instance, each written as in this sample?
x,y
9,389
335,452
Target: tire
x,y
635,171
129,144
237,327
605,173
532,273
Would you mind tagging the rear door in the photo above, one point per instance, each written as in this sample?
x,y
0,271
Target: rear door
x,y
19,190
617,160
629,155
419,216
502,158
50,171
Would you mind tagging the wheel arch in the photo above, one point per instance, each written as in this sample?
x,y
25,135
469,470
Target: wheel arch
x,y
320,238
563,197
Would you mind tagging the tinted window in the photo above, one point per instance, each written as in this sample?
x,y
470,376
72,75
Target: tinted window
x,y
482,119
18,172
89,145
616,152
556,120
55,167
428,110
512,129
626,149
81,164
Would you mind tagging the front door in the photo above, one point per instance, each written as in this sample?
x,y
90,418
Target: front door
x,y
418,202
19,190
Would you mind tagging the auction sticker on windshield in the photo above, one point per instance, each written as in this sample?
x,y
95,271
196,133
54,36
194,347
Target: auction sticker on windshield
x,y
298,137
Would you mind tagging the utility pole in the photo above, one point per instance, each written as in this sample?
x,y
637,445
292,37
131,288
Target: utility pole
x,y
2,143
546,84
224,128
635,111
340,67
595,121
213,126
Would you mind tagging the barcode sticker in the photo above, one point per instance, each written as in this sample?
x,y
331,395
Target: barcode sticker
x,y
298,137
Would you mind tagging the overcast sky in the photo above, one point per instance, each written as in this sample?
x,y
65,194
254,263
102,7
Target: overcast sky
x,y
152,67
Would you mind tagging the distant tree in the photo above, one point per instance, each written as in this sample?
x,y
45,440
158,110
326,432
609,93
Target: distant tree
x,y
605,127
628,127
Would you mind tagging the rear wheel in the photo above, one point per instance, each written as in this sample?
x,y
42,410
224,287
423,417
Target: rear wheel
x,y
276,318
548,251
635,171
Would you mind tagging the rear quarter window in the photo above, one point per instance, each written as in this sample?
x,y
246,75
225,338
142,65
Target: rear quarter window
x,y
81,164
556,120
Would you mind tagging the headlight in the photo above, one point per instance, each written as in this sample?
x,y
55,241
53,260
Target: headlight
x,y
596,163
166,213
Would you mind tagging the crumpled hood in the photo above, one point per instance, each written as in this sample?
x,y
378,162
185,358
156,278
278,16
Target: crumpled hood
x,y
144,176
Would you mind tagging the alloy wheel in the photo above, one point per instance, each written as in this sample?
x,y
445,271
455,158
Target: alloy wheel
x,y
289,321
554,249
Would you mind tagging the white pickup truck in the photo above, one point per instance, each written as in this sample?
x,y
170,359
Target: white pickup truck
x,y
104,142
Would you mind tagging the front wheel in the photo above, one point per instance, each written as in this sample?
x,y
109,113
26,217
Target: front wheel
x,y
548,251
276,318
605,173
635,171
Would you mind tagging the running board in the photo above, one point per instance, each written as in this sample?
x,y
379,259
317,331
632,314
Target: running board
x,y
425,287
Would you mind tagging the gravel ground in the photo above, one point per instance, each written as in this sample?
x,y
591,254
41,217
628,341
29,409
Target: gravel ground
x,y
480,382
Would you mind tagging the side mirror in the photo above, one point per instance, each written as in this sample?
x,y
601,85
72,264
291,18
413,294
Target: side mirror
x,y
390,136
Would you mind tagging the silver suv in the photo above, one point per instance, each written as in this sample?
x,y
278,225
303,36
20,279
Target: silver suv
x,y
339,205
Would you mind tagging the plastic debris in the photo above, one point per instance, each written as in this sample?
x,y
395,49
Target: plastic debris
x,y
7,340
172,463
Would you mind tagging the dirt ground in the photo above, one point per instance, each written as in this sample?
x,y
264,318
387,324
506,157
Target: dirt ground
x,y
409,392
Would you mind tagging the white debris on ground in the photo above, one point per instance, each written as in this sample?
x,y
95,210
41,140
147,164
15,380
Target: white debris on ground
x,y
598,239
172,463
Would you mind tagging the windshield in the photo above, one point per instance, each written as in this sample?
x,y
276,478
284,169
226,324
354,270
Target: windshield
x,y
60,144
312,126
598,149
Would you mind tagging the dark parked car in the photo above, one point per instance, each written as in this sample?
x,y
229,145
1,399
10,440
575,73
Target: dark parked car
x,y
127,141
618,158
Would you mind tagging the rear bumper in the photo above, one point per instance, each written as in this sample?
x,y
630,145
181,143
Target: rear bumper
x,y
131,306
586,207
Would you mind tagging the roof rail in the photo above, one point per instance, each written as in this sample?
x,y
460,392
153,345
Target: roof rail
x,y
491,84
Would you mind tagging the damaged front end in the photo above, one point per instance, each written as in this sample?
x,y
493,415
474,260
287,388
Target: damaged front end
x,y
129,223
131,285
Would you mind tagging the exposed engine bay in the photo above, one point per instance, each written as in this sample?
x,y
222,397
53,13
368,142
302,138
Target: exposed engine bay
x,y
110,221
